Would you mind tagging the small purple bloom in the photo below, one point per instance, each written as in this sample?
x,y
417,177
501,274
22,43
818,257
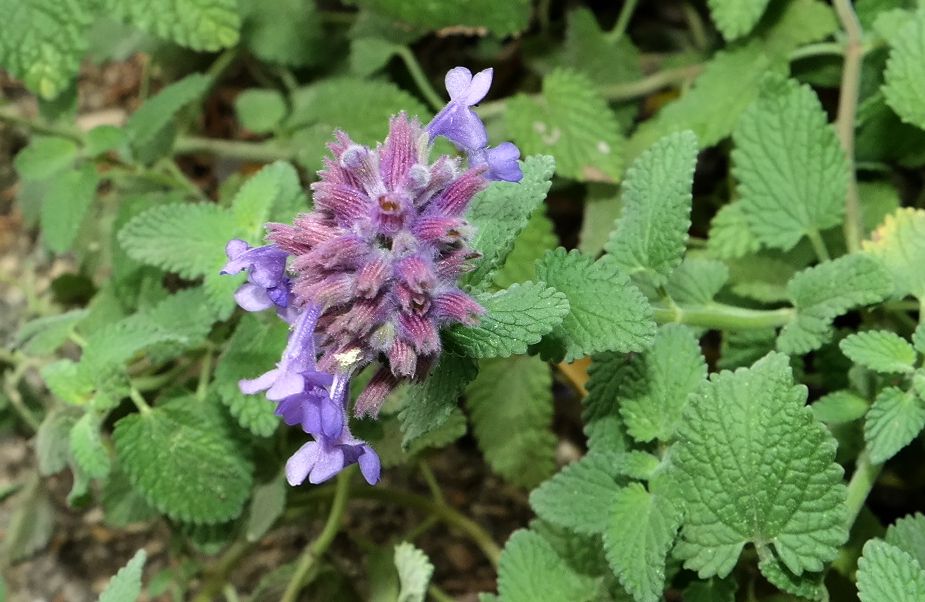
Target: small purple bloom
x,y
321,459
267,284
297,364
501,162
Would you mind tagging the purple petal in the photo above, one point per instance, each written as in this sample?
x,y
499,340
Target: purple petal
x,y
370,465
251,297
301,463
457,81
286,385
460,125
261,383
479,86
332,418
330,462
291,410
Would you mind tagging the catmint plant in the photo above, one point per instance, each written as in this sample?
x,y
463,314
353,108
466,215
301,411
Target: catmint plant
x,y
370,275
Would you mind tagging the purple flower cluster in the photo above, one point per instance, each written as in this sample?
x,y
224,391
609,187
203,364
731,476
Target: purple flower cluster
x,y
370,275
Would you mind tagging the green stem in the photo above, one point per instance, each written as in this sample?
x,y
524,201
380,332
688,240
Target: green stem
x,y
205,372
847,115
218,574
259,152
138,400
431,481
815,50
718,316
12,116
695,23
822,252
420,79
862,481
623,20
438,594
182,180
652,83
320,545
11,388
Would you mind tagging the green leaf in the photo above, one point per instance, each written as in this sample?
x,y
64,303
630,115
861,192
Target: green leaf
x,y
188,239
208,25
807,585
572,122
502,211
267,505
67,382
887,573
826,291
285,32
606,312
602,208
181,457
66,204
755,466
579,496
260,110
43,336
370,54
904,77
603,425
52,448
253,349
414,572
501,19
104,138
714,590
900,244
791,169
651,234
918,338
762,278
122,505
893,421
270,192
44,157
593,52
840,407
880,350
908,534
43,42
697,281
151,119
736,18
529,246
641,528
87,447
514,318
431,402
125,586
658,383
510,404
530,570
31,523
730,234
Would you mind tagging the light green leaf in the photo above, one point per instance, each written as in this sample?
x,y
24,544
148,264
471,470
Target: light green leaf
x,y
572,122
658,382
431,402
754,466
651,234
529,246
514,318
370,54
697,281
267,505
603,425
150,120
501,19
67,382
510,405
840,407
900,244
31,523
791,169
260,110
285,32
414,571
905,71
640,530
826,291
66,204
918,338
125,586
43,336
887,573
602,208
274,188
253,349
104,138
743,348
44,157
87,447
807,585
579,496
908,534
606,312
761,278
590,50
182,458
188,239
208,25
893,421
530,570
735,18
43,42
122,505
730,234
502,211
880,350
52,448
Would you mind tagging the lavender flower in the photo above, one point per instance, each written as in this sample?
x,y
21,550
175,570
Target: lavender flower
x,y
370,275
459,124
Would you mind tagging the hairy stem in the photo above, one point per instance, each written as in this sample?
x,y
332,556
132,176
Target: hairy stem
x,y
318,547
862,481
218,573
626,13
822,252
847,114
259,152
718,316
420,79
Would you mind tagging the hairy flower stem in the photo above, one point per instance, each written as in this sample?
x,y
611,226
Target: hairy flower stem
x,y
847,114
420,79
862,481
626,13
718,316
320,545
